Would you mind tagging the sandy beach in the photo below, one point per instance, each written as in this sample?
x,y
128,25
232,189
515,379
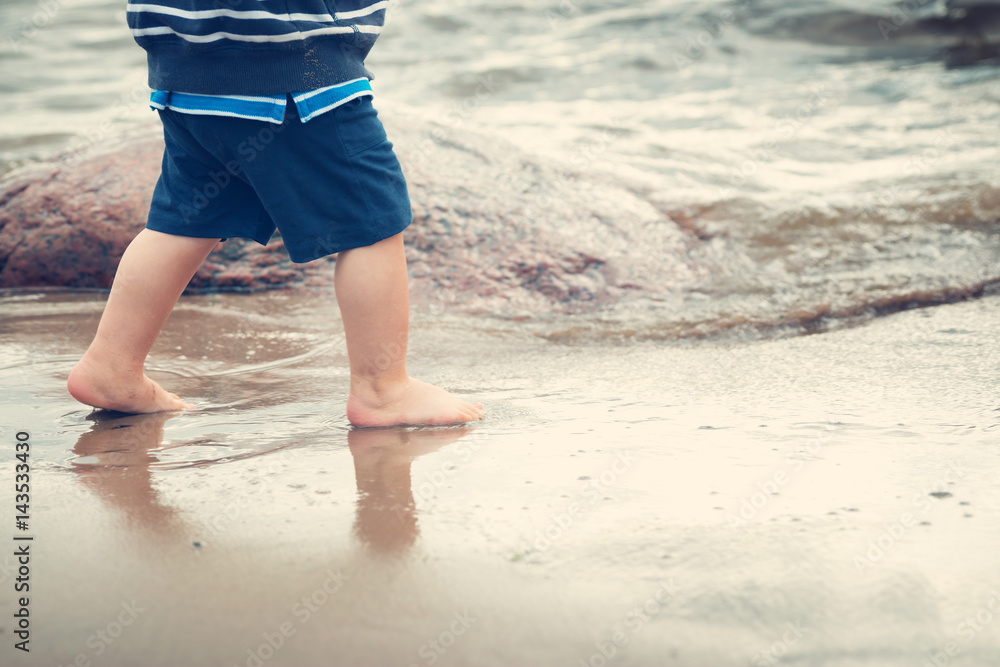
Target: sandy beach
x,y
724,275
825,500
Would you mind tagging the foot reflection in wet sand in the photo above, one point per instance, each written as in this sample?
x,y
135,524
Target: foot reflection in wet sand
x,y
386,519
114,462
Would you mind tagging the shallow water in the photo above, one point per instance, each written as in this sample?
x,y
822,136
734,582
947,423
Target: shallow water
x,y
830,172
640,487
688,503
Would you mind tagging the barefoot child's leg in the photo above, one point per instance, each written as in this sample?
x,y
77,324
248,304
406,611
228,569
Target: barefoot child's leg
x,y
153,272
373,295
267,140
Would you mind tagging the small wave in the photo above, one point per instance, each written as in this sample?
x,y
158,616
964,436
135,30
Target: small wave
x,y
960,32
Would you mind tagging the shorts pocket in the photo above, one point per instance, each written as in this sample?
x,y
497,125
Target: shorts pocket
x,y
358,125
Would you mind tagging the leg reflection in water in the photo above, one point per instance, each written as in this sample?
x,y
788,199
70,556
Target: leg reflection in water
x,y
386,519
113,460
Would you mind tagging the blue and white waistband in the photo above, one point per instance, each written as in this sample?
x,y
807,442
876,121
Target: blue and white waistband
x,y
270,108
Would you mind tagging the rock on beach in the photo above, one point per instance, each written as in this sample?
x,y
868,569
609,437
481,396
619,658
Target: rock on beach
x,y
495,229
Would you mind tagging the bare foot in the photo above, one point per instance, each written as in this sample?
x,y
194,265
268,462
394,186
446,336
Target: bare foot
x,y
100,387
408,403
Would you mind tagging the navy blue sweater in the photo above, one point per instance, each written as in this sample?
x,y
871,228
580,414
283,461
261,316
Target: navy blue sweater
x,y
255,47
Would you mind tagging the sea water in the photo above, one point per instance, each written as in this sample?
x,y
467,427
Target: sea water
x,y
672,498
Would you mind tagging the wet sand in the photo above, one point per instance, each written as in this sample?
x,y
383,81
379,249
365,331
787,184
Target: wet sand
x,y
822,500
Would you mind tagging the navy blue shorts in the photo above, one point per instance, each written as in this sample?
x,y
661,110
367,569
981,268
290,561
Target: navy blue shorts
x,y
328,185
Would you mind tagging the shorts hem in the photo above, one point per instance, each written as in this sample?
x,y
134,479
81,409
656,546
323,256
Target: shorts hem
x,y
300,254
203,234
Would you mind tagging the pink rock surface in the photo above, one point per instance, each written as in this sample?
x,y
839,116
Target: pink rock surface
x,y
67,224
495,229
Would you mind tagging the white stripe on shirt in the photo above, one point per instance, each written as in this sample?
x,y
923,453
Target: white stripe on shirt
x,y
255,14
364,11
236,37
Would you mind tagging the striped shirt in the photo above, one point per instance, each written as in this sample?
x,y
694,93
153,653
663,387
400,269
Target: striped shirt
x,y
255,47
270,108
277,26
